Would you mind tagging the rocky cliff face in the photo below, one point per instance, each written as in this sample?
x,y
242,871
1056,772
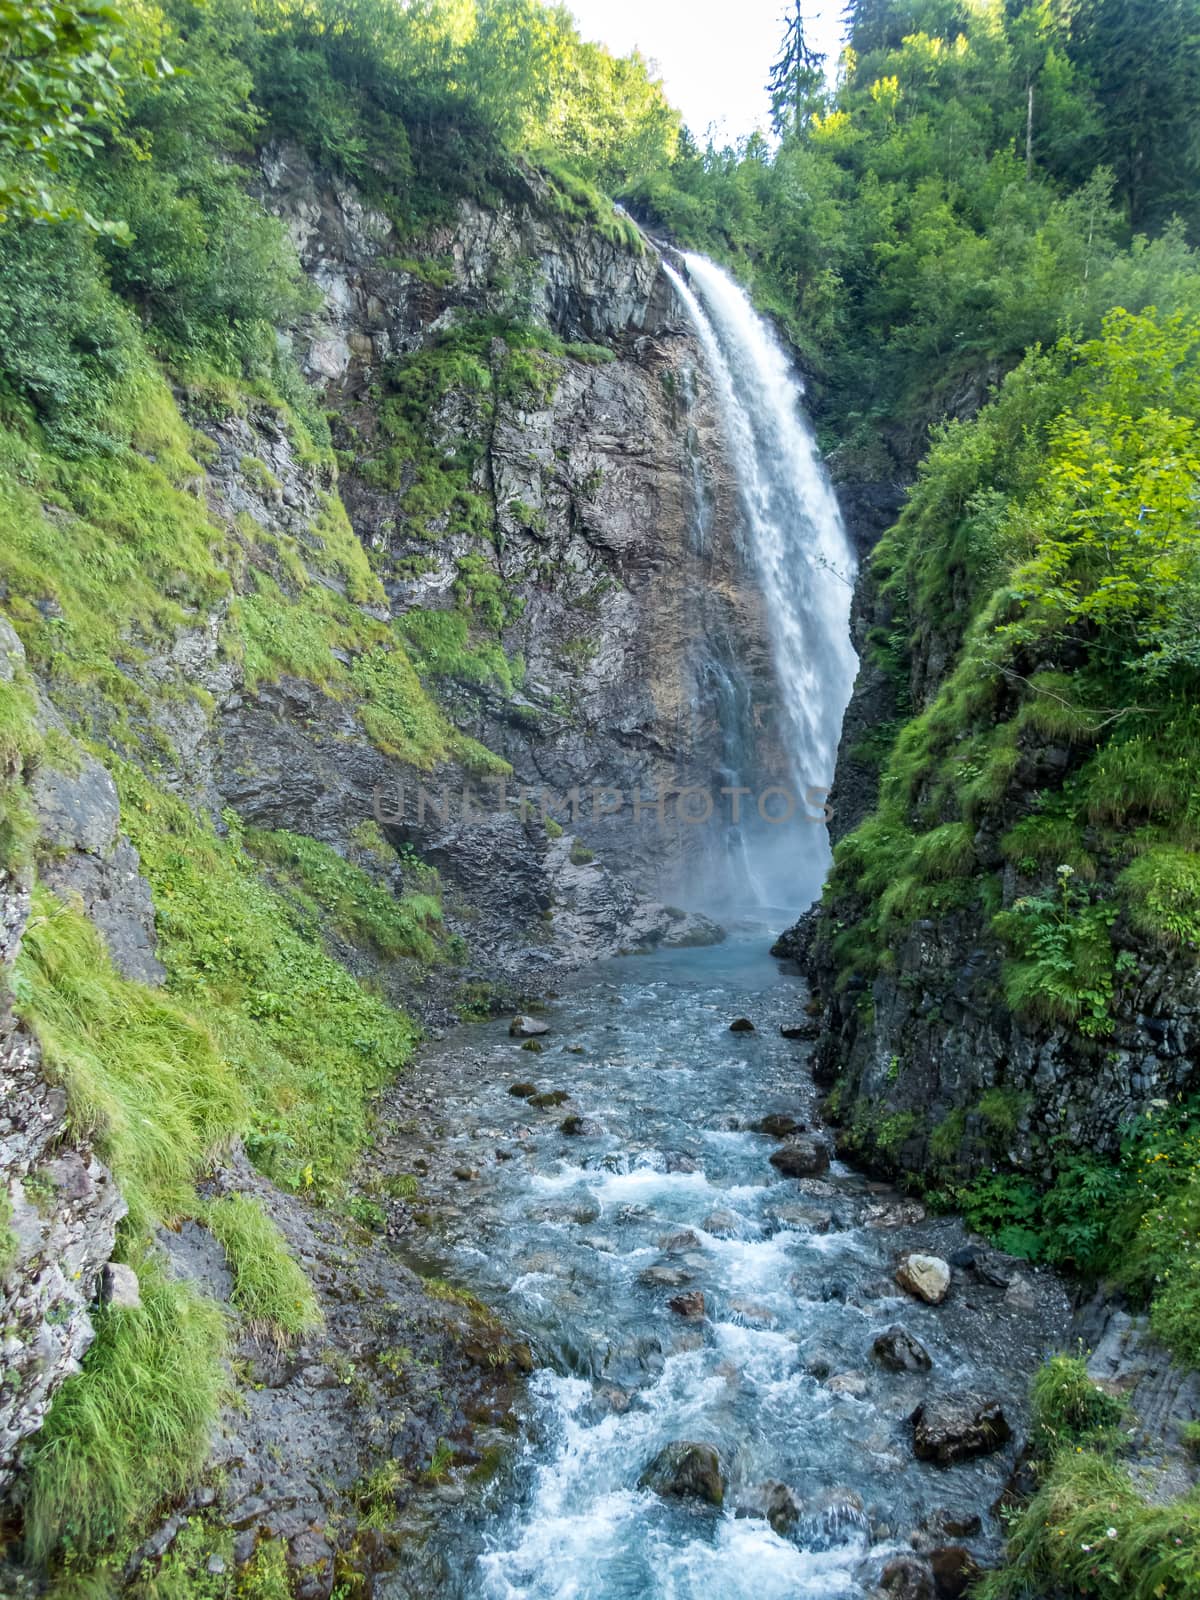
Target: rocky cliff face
x,y
552,490
612,529
933,1070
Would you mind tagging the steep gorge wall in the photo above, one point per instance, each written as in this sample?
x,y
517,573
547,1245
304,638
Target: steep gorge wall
x,y
587,525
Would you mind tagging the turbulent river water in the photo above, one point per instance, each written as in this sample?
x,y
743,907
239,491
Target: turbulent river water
x,y
582,1238
581,1222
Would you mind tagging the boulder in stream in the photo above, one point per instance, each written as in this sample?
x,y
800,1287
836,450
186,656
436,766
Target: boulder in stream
x,y
689,1306
803,1157
522,1027
926,1277
742,1025
773,1501
955,1571
686,1470
777,1125
906,1578
955,1427
900,1352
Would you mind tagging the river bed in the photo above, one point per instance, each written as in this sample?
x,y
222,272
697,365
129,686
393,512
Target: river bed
x,y
581,1239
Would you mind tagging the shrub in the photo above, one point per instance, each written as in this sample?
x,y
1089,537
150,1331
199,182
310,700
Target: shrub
x,y
132,1428
269,1289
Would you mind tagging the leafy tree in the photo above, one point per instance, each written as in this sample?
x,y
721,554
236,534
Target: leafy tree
x,y
64,67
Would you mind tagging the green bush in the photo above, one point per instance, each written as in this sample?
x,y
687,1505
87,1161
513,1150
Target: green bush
x,y
133,1428
269,1289
143,1078
1069,1407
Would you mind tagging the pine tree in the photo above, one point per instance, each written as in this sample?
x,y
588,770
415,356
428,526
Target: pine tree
x,y
1144,59
797,78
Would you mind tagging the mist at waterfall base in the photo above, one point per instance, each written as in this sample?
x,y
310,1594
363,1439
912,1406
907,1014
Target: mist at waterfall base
x,y
796,546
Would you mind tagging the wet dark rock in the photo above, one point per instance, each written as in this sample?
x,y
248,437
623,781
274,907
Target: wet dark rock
x,y
549,1098
721,1224
522,1091
833,1516
802,1158
674,1244
898,1351
955,1427
678,1161
689,1306
522,1027
808,1029
773,1501
534,1046
685,1470
576,1127
663,1277
906,1578
955,1571
742,1025
777,1125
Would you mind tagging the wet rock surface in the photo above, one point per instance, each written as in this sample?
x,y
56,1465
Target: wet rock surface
x,y
686,1471
954,1427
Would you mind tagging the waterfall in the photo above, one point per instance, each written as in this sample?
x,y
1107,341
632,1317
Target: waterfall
x,y
799,550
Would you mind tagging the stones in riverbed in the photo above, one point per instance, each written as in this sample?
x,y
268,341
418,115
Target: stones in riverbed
x,y
926,1277
900,1352
522,1027
675,1244
906,1578
802,1157
549,1098
742,1025
955,1571
773,1501
777,1125
532,1044
956,1427
579,1128
807,1029
689,1306
721,1224
664,1277
686,1470
522,1091
893,1214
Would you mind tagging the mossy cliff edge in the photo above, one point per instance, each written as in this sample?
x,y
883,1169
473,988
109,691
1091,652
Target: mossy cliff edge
x,y
340,493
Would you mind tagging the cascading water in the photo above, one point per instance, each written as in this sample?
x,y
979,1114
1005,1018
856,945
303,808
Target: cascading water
x,y
804,564
672,1284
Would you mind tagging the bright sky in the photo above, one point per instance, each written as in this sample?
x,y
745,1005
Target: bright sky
x,y
713,55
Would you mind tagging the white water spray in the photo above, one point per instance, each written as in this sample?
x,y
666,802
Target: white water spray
x,y
797,540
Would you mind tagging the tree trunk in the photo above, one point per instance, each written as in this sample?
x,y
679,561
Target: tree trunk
x,y
1029,134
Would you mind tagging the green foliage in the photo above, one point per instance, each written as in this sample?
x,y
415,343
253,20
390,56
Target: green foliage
x,y
307,1044
329,890
1162,892
132,1428
269,1288
143,1078
1069,1407
265,1576
1089,1530
1063,965
65,70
